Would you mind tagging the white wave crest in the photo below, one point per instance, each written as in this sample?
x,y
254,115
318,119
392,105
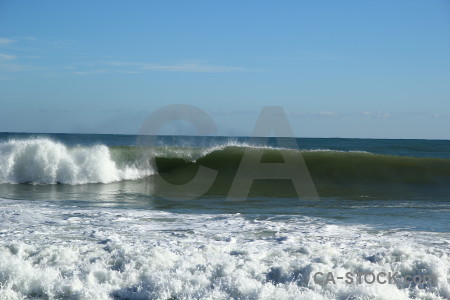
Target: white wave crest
x,y
44,161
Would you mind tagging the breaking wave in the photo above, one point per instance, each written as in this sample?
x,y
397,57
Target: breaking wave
x,y
44,161
334,173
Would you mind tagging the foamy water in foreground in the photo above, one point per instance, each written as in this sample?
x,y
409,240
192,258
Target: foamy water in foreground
x,y
71,252
82,217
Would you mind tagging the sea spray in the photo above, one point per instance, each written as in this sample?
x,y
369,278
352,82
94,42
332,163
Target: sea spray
x,y
44,161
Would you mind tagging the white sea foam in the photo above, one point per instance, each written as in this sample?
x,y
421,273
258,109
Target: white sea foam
x,y
50,251
41,160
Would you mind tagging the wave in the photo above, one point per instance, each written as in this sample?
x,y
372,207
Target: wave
x,y
333,172
44,161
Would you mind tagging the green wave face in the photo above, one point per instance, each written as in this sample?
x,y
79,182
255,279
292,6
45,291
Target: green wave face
x,y
349,174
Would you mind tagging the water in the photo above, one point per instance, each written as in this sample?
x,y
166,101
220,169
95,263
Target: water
x,y
86,211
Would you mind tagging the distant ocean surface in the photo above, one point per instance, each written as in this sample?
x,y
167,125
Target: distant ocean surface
x,y
83,217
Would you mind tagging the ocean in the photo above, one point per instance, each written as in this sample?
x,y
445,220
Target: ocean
x,y
85,216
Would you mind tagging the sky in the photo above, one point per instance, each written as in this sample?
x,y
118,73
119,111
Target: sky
x,y
366,69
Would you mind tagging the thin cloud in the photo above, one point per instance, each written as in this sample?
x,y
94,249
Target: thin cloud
x,y
5,41
13,68
182,67
436,115
82,65
225,112
335,114
288,113
93,72
378,114
320,114
328,114
192,68
7,56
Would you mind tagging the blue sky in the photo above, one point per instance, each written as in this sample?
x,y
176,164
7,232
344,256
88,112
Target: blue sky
x,y
377,69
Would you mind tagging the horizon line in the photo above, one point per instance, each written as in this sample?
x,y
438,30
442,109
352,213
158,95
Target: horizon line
x,y
224,136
